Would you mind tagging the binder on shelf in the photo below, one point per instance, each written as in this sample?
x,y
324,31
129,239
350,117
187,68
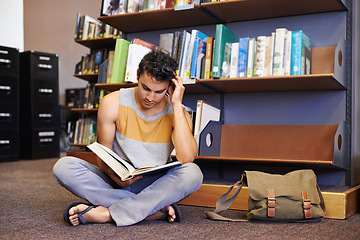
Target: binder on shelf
x,y
210,139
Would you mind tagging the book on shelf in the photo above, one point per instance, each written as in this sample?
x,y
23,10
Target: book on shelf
x,y
199,49
260,56
175,46
301,44
205,112
234,61
135,54
223,35
188,57
109,69
141,42
269,54
124,169
287,53
251,58
166,42
109,8
119,57
184,52
102,76
162,4
208,57
243,55
279,51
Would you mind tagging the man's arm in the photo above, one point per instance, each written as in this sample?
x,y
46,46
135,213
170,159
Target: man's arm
x,y
182,137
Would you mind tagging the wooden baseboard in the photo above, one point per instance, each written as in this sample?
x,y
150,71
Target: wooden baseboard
x,y
338,205
87,156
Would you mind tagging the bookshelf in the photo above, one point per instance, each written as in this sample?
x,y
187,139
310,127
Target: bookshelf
x,y
325,77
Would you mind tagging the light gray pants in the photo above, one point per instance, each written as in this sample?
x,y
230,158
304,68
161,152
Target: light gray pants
x,y
132,204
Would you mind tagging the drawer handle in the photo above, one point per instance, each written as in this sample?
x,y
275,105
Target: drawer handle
x,y
3,60
4,142
6,88
46,134
45,115
44,58
45,90
4,52
5,115
45,66
46,140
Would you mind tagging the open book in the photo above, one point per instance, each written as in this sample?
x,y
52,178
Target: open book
x,y
124,169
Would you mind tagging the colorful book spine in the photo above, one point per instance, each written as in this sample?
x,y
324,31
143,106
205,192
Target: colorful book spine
x,y
208,57
119,63
199,48
243,55
251,58
300,42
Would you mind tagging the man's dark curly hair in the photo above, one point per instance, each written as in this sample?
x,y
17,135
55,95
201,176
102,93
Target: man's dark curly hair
x,y
159,65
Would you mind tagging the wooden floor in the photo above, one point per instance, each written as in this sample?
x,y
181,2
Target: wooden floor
x,y
338,205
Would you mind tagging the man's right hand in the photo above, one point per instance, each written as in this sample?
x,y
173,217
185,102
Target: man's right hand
x,y
119,182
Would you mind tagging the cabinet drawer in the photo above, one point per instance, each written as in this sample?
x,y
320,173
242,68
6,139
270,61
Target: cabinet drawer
x,y
9,88
9,61
9,116
46,143
44,66
46,116
46,92
9,144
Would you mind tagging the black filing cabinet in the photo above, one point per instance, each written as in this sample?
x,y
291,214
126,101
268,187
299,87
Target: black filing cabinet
x,y
9,104
39,105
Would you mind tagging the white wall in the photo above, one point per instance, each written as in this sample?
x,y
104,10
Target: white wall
x,y
12,24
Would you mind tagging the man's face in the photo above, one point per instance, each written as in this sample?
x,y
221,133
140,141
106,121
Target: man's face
x,y
150,91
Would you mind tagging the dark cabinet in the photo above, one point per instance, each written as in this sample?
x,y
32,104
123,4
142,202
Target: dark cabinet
x,y
9,104
39,105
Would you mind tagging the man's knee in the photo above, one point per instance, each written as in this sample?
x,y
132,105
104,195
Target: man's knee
x,y
62,168
193,175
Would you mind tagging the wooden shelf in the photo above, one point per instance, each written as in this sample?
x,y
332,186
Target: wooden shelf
x,y
85,110
88,77
282,83
261,9
158,19
98,43
115,86
218,12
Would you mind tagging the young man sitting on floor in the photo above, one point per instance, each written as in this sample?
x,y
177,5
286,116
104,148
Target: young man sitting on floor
x,y
142,125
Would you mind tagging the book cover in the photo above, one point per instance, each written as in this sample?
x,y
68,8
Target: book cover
x,y
243,55
188,56
166,42
208,57
223,35
119,62
251,58
87,21
199,48
260,56
135,54
124,169
182,42
234,62
225,66
184,52
280,41
77,26
205,112
175,45
300,42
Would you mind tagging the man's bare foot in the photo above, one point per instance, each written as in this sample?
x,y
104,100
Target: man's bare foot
x,y
169,211
95,215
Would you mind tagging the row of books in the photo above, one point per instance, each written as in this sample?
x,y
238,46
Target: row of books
x,y
86,98
90,63
200,56
84,130
122,63
90,28
283,53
